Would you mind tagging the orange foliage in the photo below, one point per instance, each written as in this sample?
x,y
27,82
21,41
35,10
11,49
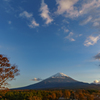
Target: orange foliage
x,y
6,71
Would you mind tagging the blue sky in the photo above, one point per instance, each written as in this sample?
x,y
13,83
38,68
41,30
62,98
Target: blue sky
x,y
44,37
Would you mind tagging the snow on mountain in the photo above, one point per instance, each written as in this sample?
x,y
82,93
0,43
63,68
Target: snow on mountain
x,y
59,75
59,78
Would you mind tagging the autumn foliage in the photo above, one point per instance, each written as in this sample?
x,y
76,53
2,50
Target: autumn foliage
x,y
7,71
49,94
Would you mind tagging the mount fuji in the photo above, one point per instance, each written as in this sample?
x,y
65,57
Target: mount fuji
x,y
61,81
59,78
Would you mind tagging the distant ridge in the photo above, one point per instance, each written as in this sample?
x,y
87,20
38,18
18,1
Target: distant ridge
x,y
60,81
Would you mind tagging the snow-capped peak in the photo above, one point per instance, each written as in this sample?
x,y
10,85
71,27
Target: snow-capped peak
x,y
59,75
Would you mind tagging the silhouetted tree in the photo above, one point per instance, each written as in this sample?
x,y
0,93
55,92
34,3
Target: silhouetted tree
x,y
7,71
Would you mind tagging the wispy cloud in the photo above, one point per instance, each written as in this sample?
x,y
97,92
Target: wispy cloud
x,y
33,24
70,37
9,22
65,29
65,21
80,35
96,24
26,14
91,40
45,14
67,7
97,57
74,9
96,21
89,5
86,20
6,5
7,0
29,16
36,79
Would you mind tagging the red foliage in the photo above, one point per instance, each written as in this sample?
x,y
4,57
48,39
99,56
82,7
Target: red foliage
x,y
6,71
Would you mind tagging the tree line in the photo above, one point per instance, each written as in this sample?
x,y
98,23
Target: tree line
x,y
49,94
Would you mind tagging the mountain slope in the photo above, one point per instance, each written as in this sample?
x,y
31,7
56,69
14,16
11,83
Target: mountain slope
x,y
59,78
60,81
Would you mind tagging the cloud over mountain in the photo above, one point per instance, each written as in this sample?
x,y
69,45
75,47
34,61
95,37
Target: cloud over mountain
x,y
36,79
96,82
